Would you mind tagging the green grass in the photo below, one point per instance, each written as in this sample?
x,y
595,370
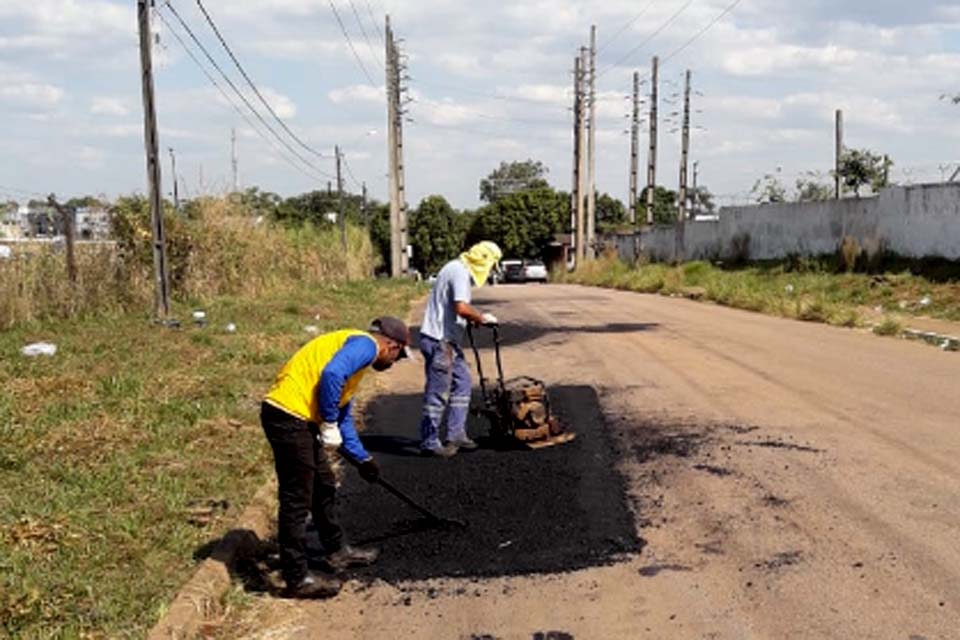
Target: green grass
x,y
105,446
804,290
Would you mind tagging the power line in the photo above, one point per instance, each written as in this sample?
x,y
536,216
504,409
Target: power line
x,y
626,26
709,25
650,37
350,171
363,30
250,81
237,91
343,29
230,101
373,19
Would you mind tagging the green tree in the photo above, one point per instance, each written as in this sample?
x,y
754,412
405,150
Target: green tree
x,y
378,224
862,167
702,200
85,201
434,233
513,177
523,223
664,205
812,188
610,212
260,203
769,190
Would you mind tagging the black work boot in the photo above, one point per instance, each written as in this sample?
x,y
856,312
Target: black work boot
x,y
313,585
347,556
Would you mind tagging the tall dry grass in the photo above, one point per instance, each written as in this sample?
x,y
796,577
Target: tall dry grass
x,y
220,248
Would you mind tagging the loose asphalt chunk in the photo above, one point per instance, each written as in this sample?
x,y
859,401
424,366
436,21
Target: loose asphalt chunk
x,y
556,509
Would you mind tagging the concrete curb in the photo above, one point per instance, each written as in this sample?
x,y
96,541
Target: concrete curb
x,y
199,599
945,342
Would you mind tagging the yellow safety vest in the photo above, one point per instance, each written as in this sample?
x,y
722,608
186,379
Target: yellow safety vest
x,y
295,389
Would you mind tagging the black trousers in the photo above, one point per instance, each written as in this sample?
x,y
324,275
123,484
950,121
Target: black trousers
x,y
307,484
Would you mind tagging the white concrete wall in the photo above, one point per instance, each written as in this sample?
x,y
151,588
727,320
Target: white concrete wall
x,y
917,222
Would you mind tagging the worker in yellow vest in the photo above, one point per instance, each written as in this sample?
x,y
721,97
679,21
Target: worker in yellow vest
x,y
307,418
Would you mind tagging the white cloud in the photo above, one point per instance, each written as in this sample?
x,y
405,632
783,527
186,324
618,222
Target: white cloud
x,y
31,94
109,106
363,93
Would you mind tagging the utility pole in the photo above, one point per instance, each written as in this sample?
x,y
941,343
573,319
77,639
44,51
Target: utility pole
x,y
162,299
652,153
233,159
591,151
399,259
173,173
838,152
634,146
68,218
582,159
363,201
575,187
695,196
684,150
341,216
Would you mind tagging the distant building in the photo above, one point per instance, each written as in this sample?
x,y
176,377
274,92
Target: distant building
x,y
93,223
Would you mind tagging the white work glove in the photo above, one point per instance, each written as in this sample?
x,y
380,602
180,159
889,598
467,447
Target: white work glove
x,y
330,436
489,319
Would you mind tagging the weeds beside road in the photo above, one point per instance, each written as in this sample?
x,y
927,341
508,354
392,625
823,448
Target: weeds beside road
x,y
809,291
121,456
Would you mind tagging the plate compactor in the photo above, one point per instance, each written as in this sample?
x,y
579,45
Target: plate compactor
x,y
518,409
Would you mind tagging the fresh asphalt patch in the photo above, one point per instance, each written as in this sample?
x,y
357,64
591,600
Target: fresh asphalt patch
x,y
551,510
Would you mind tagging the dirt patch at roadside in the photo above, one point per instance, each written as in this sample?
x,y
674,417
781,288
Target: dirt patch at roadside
x,y
554,510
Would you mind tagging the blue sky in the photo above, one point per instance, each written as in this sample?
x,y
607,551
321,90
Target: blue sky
x,y
490,82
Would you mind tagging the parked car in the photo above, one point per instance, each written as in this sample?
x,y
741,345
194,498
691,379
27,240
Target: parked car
x,y
534,271
512,271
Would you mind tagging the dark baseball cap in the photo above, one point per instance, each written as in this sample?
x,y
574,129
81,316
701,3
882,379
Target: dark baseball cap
x,y
395,329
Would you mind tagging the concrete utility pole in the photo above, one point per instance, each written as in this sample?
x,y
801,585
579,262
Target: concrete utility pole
x,y
363,201
684,150
575,188
233,159
591,152
695,196
341,214
399,259
652,153
173,174
838,153
162,298
582,161
634,146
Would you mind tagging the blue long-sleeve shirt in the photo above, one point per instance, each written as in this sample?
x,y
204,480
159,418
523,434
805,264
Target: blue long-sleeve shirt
x,y
356,354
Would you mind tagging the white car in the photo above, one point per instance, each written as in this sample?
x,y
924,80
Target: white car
x,y
535,271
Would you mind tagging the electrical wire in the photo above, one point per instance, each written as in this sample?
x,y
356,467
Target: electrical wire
x,y
697,35
373,19
346,165
259,117
250,82
650,37
363,30
626,26
343,30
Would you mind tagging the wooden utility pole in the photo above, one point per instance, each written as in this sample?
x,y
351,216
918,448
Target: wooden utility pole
x,y
399,260
162,298
575,187
634,146
590,247
838,153
684,150
68,218
341,214
173,175
233,159
652,153
582,181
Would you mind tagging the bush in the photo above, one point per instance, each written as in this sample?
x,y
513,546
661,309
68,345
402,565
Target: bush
x,y
219,248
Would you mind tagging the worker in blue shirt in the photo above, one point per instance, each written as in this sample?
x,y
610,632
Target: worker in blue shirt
x,y
307,417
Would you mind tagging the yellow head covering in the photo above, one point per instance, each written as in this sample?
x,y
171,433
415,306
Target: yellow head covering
x,y
480,259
